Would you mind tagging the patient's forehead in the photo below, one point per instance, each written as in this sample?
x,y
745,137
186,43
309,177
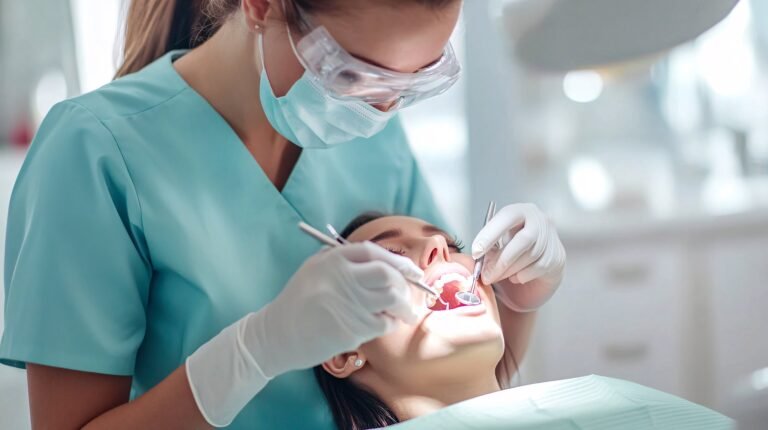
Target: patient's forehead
x,y
410,226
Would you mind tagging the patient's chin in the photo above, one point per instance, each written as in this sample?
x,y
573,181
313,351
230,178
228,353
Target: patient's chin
x,y
445,338
457,362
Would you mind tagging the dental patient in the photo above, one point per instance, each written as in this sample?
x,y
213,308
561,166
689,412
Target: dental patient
x,y
453,368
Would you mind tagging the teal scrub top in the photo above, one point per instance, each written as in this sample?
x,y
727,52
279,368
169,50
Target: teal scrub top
x,y
140,226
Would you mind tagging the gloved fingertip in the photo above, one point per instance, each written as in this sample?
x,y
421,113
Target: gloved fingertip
x,y
478,249
412,272
487,276
484,279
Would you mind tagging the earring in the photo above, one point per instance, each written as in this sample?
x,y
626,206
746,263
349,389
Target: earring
x,y
256,27
359,362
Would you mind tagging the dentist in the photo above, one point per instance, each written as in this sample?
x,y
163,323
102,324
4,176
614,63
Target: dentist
x,y
155,277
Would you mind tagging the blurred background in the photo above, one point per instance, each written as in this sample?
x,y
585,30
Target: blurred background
x,y
655,170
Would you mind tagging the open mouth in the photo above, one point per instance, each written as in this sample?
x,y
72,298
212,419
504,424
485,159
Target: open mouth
x,y
447,282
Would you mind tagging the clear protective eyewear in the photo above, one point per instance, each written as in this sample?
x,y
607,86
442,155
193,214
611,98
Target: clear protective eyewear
x,y
346,77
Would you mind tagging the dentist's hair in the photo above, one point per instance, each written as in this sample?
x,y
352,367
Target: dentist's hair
x,y
154,27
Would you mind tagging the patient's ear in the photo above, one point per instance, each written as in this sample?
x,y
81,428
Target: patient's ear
x,y
343,365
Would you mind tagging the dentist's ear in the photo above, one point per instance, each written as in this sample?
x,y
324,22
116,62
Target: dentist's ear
x,y
343,365
255,12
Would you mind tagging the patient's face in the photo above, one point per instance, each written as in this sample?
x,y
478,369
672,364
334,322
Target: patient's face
x,y
450,340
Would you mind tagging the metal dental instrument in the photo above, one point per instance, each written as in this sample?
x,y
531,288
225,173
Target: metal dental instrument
x,y
322,238
317,234
469,298
419,283
336,234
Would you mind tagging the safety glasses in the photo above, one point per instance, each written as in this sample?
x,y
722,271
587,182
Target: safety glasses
x,y
344,76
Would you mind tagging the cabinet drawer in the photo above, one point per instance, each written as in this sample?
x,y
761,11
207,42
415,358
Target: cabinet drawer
x,y
631,269
737,271
636,289
618,313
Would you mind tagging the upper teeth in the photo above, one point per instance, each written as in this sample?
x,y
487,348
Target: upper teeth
x,y
451,277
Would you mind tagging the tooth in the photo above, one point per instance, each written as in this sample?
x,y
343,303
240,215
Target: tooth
x,y
431,300
456,277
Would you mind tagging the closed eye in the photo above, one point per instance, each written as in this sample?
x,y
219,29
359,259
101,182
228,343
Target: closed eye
x,y
398,251
455,244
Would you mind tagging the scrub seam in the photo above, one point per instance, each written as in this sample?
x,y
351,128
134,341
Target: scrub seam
x,y
139,112
125,164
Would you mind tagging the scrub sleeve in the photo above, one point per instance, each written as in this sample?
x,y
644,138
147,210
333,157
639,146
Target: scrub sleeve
x,y
77,269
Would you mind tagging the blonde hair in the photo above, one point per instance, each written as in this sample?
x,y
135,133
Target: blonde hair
x,y
154,27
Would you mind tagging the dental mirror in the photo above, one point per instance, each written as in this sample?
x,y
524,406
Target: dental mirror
x,y
469,298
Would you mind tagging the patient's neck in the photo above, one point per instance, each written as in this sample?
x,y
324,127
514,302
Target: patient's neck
x,y
407,405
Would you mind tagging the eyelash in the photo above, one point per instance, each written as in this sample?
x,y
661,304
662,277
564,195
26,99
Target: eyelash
x,y
398,251
455,244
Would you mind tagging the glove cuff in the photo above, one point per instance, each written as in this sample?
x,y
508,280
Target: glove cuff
x,y
223,376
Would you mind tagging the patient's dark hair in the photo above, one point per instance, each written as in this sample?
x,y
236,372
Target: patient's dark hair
x,y
353,407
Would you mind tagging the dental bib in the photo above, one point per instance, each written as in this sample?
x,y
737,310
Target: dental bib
x,y
586,403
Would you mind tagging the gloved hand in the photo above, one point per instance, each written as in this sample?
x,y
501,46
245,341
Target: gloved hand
x,y
528,268
338,299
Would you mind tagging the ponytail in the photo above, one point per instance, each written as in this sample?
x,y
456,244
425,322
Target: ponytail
x,y
154,27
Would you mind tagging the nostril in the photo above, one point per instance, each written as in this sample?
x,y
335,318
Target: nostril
x,y
432,256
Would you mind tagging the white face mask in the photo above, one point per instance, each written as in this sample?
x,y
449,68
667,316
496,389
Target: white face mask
x,y
311,118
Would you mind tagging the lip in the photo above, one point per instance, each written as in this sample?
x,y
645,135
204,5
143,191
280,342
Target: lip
x,y
443,269
464,311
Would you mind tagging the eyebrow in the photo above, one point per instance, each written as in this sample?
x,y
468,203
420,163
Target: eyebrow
x,y
427,229
388,234
368,60
396,232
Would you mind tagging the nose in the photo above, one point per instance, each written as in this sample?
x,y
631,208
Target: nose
x,y
384,107
387,106
435,251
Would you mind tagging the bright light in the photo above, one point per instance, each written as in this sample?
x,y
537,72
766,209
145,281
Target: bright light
x,y
725,56
437,137
96,25
759,379
583,86
590,184
724,194
50,89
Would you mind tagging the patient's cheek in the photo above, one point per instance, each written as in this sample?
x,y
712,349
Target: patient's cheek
x,y
391,346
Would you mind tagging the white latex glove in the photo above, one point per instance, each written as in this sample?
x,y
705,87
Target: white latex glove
x,y
338,299
528,267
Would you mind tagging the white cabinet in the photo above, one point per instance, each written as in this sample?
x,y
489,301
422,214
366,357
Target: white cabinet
x,y
737,270
681,306
618,313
